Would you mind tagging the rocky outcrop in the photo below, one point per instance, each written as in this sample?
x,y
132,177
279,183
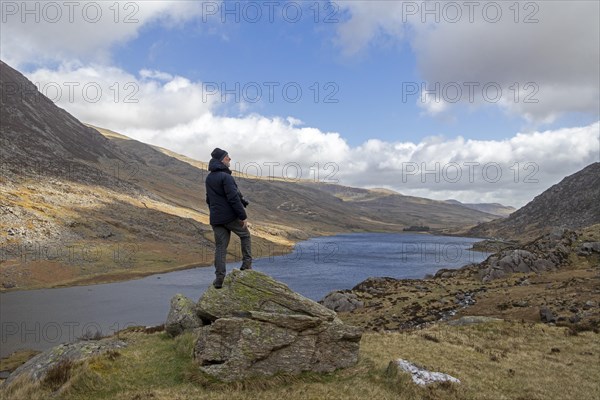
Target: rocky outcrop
x,y
375,286
342,301
259,327
509,262
544,254
39,366
588,248
182,316
546,315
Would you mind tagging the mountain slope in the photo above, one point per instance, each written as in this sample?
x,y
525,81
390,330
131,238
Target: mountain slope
x,y
490,208
396,208
74,205
33,128
572,203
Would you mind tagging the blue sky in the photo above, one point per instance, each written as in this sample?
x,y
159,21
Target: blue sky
x,y
372,63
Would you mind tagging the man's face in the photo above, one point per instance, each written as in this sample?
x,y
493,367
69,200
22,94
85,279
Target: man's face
x,y
227,160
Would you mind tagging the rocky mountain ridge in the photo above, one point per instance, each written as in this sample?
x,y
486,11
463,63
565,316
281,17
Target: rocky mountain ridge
x,y
573,203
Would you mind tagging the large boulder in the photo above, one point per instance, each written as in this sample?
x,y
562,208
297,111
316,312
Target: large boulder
x,y
588,248
339,301
182,316
260,327
420,375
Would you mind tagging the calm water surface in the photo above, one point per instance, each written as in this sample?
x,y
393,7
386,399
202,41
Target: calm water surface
x,y
40,319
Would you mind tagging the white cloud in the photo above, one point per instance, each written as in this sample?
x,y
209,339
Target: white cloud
x,y
104,95
557,55
163,76
356,33
511,171
430,104
250,139
44,32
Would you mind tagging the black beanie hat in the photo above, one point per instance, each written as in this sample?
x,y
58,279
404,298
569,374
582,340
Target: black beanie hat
x,y
218,153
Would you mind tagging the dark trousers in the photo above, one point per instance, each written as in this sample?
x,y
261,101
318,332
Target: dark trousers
x,y
222,236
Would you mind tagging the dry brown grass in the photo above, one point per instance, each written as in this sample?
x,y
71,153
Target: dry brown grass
x,y
501,360
14,360
496,360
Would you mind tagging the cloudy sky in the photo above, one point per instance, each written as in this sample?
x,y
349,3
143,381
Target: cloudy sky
x,y
476,101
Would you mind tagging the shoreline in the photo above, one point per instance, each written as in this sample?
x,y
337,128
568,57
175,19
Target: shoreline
x,y
124,276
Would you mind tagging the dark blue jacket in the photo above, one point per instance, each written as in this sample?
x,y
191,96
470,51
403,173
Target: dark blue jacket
x,y
222,195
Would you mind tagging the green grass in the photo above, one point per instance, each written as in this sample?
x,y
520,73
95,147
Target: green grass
x,y
496,360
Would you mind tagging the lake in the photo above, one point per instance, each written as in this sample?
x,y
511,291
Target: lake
x,y
39,319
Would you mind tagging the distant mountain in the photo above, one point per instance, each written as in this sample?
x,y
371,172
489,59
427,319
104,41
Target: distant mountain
x,y
572,203
490,208
407,210
81,204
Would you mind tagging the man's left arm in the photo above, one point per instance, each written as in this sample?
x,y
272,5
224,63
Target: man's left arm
x,y
231,192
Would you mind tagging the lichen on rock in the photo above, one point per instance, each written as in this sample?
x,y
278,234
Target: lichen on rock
x,y
245,291
38,367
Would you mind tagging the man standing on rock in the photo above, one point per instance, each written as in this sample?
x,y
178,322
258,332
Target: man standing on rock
x,y
227,213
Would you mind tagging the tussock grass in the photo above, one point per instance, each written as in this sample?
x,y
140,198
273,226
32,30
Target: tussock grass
x,y
22,388
58,375
495,360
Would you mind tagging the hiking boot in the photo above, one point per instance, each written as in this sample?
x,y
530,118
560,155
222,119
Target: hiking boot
x,y
245,267
218,283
